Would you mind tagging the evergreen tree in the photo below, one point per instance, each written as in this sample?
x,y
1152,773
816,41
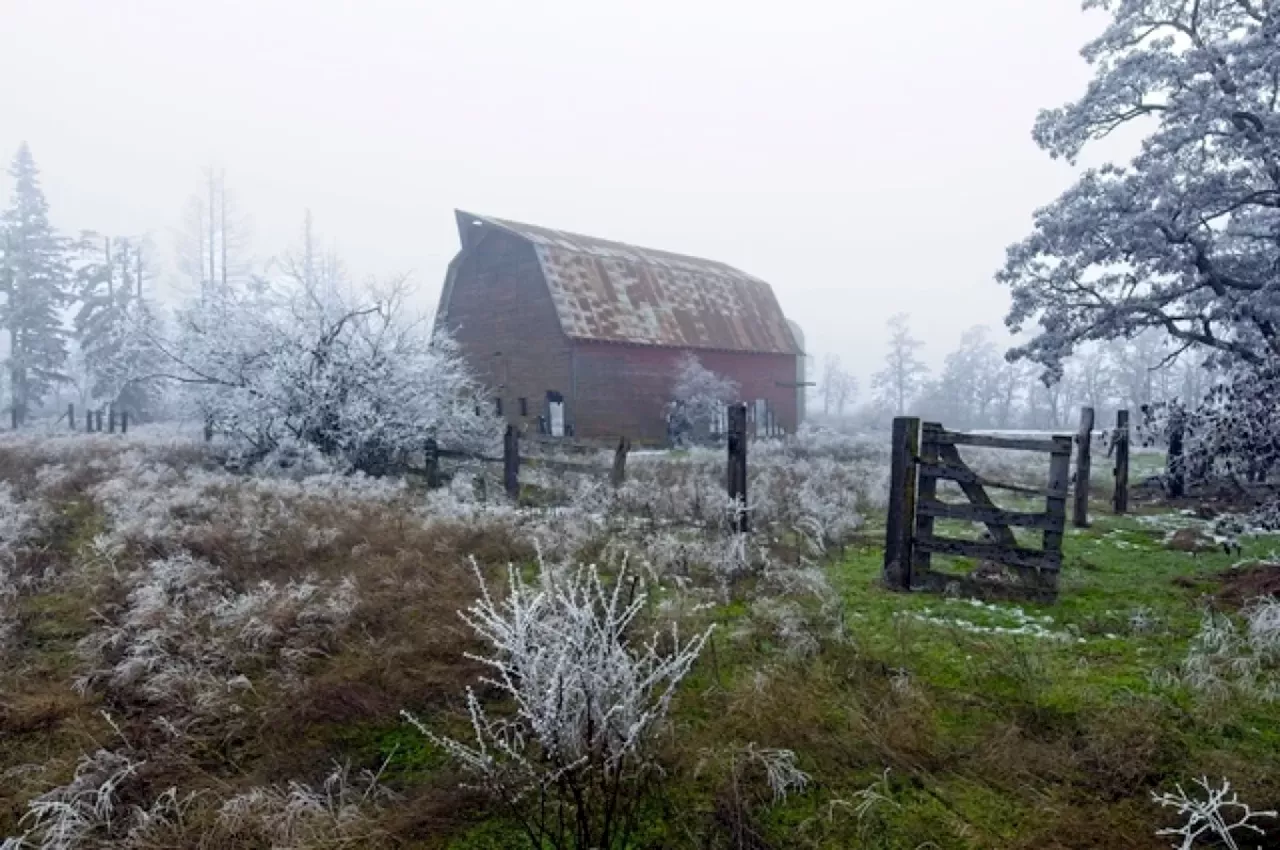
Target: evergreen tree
x,y
35,277
115,326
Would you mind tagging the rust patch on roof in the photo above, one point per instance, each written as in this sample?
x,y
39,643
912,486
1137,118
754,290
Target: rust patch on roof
x,y
613,292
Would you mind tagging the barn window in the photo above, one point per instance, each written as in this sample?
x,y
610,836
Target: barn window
x,y
497,406
524,407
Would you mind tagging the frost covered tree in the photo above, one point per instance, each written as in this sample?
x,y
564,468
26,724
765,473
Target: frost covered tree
x,y
1183,238
115,326
966,393
213,244
698,396
904,374
838,386
36,280
348,372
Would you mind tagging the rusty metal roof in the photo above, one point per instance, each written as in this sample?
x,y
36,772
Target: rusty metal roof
x,y
612,292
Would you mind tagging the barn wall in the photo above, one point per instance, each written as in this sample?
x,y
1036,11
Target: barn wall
x,y
496,301
623,390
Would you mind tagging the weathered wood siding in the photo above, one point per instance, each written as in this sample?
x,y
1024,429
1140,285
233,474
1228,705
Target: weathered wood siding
x,y
497,306
624,389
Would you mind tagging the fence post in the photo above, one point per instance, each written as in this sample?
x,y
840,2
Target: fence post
x,y
1056,504
737,473
124,422
1120,500
431,455
98,423
1083,462
619,474
926,490
208,429
71,416
511,462
88,421
903,451
111,419
1175,466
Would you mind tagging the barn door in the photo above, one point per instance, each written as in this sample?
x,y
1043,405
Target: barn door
x,y
555,414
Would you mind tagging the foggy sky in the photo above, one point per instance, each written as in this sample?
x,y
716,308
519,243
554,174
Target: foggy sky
x,y
864,158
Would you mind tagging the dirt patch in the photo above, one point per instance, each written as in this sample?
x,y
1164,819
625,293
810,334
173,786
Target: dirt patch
x,y
1241,584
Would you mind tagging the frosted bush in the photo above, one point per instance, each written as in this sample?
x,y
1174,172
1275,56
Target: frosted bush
x,y
575,751
1222,659
1216,818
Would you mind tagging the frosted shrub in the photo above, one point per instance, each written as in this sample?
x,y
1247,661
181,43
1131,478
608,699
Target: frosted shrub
x,y
574,755
1214,819
350,373
1223,660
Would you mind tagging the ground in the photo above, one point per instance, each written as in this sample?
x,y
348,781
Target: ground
x,y
922,721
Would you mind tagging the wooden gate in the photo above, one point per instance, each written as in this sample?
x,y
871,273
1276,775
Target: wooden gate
x,y
924,455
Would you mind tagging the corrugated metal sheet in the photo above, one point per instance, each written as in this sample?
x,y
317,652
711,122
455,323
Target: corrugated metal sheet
x,y
611,292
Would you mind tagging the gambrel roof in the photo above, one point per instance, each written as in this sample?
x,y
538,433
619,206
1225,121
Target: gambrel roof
x,y
612,292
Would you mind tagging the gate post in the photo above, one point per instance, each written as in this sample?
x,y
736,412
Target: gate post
x,y
618,476
1175,465
1120,500
903,452
1083,463
431,462
511,463
737,473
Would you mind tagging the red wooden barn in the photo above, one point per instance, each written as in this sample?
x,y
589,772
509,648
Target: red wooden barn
x,y
586,334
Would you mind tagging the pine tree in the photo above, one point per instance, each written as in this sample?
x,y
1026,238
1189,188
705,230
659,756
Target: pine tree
x,y
35,277
114,325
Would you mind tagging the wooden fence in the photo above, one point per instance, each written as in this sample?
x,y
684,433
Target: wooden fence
x,y
512,460
924,455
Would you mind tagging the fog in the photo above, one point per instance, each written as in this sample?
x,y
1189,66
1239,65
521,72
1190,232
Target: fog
x,y
865,159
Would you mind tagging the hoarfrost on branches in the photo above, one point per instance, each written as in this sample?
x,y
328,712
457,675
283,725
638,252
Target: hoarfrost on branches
x,y
698,397
1181,239
1215,817
587,702
349,373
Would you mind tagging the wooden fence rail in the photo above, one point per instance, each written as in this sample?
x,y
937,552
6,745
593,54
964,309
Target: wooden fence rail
x,y
512,460
921,455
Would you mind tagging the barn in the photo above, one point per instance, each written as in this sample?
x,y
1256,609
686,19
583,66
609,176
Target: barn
x,y
580,335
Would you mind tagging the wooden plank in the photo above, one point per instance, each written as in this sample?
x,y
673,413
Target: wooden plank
x,y
961,474
973,489
565,465
1120,496
903,451
511,463
1084,436
1013,556
736,477
1175,465
618,476
985,514
1056,504
993,441
926,491
457,455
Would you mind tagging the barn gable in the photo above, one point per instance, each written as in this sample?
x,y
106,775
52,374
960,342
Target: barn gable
x,y
611,292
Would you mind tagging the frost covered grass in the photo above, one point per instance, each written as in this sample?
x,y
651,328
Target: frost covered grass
x,y
192,654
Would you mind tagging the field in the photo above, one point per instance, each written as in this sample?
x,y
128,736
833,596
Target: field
x,y
195,658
